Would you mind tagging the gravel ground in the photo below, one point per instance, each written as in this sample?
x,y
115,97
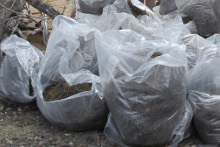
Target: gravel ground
x,y
24,125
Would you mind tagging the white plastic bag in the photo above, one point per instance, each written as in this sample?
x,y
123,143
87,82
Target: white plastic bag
x,y
79,112
205,14
192,27
204,95
93,6
19,70
77,40
144,87
172,31
215,39
167,6
197,47
64,59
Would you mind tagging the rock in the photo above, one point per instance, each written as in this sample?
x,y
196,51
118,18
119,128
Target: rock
x,y
8,109
14,118
19,110
67,135
41,143
1,108
51,139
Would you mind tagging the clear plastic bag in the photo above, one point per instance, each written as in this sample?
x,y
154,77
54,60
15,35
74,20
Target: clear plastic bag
x,y
167,6
144,88
197,47
77,40
79,112
93,6
172,31
215,39
205,14
119,16
82,111
19,70
192,27
204,95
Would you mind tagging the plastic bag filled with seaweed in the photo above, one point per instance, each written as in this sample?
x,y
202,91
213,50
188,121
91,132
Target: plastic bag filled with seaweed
x,y
119,16
77,40
68,99
144,86
172,31
121,21
204,95
74,103
205,14
197,47
135,8
18,70
91,6
167,6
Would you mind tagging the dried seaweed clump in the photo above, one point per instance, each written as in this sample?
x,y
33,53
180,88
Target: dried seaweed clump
x,y
156,54
62,90
135,10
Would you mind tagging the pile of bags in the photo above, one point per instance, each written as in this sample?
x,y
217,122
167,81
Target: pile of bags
x,y
204,13
146,77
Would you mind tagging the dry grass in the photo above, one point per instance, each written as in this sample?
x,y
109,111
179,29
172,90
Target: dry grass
x,y
156,54
62,90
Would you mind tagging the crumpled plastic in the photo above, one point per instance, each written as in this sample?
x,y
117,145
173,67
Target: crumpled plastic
x,y
204,96
77,40
93,6
215,39
145,95
167,6
19,70
73,49
119,16
205,14
172,31
197,48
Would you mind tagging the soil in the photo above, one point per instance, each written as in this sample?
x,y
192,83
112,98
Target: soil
x,y
62,90
24,125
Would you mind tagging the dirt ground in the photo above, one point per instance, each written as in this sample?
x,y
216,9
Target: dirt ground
x,y
24,125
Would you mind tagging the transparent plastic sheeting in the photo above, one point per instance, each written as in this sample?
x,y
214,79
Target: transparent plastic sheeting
x,y
197,47
215,39
82,111
77,40
90,6
18,70
167,6
145,95
204,95
204,13
119,16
